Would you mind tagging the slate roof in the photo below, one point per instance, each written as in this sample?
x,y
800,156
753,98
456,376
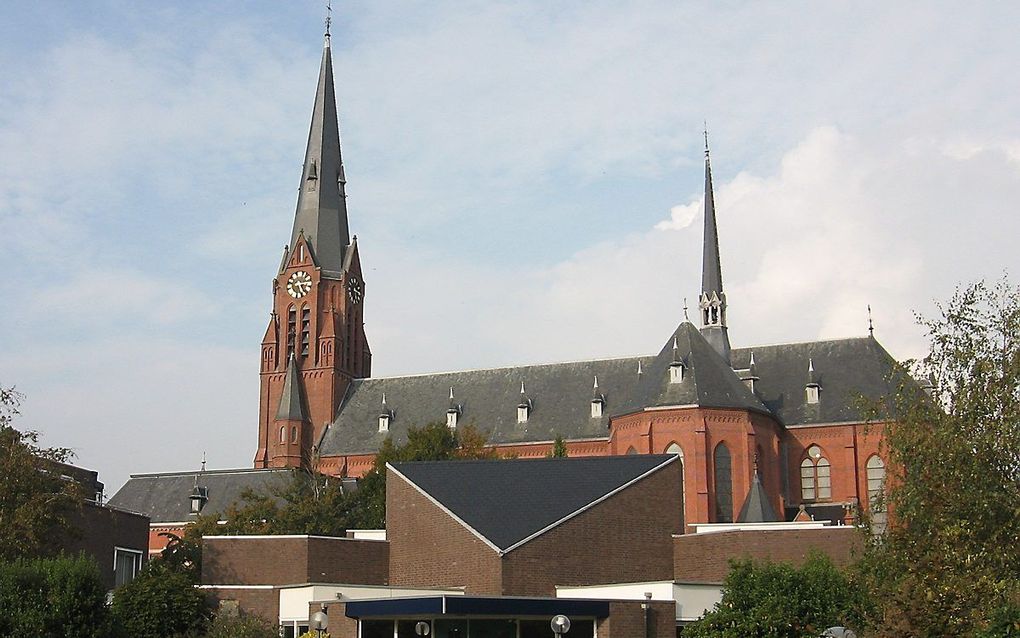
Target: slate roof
x,y
164,497
845,369
292,405
509,501
757,508
561,393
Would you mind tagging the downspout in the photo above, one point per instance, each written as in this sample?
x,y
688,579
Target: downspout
x,y
647,613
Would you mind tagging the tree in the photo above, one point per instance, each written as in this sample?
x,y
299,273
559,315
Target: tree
x,y
241,626
160,602
779,600
36,504
61,596
559,450
948,563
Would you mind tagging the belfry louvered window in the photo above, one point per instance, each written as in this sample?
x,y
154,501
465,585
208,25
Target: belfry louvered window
x,y
306,320
291,330
815,476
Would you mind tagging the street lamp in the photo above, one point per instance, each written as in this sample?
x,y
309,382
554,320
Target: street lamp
x,y
421,628
560,624
319,621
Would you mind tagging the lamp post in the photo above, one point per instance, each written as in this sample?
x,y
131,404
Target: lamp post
x,y
421,628
319,621
560,624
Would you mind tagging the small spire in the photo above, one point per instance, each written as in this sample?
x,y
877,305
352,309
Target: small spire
x,y
451,393
384,399
203,463
522,387
706,139
686,318
871,326
596,386
639,371
752,359
676,348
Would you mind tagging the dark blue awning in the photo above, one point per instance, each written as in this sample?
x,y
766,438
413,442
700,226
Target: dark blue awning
x,y
511,607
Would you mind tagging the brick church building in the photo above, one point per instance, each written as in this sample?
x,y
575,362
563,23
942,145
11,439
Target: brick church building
x,y
773,432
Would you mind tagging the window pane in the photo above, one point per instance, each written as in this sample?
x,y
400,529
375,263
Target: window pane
x,y
449,628
723,485
500,628
376,629
125,566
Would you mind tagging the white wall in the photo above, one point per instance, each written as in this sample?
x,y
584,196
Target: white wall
x,y
294,601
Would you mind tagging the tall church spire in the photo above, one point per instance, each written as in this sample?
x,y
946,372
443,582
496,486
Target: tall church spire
x,y
322,206
713,300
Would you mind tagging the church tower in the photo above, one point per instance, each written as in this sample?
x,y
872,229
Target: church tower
x,y
712,302
315,343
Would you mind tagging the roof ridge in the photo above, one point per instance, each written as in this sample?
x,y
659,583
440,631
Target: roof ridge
x,y
240,470
802,343
507,367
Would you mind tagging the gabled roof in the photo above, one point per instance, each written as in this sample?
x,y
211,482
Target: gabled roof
x,y
508,502
164,497
757,508
561,395
708,380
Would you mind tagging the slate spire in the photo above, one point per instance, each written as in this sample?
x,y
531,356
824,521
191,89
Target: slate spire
x,y
322,199
757,508
712,302
292,406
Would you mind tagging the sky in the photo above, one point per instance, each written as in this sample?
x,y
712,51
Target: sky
x,y
525,180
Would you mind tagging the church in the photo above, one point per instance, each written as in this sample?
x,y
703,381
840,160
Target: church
x,y
762,433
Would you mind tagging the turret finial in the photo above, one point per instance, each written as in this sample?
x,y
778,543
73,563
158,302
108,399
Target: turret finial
x,y
329,16
871,326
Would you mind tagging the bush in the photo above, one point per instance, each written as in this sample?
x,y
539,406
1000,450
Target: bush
x,y
241,626
61,596
160,603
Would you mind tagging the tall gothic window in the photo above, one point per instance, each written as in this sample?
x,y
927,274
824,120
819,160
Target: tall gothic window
x,y
815,476
676,449
876,481
723,485
291,330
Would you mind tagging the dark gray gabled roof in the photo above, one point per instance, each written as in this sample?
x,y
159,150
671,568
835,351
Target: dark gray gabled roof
x,y
757,508
509,501
560,394
292,404
322,202
844,368
164,498
708,380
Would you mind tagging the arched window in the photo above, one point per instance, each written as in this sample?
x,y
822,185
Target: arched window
x,y
673,448
815,476
306,320
283,434
723,485
293,434
876,481
631,450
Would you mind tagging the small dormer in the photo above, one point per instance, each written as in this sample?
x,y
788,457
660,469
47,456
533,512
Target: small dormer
x,y
453,412
199,497
385,416
677,366
751,378
813,388
524,406
598,401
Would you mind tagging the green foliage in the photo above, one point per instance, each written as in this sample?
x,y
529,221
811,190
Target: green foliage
x,y
61,596
778,600
160,602
241,626
36,504
559,450
948,562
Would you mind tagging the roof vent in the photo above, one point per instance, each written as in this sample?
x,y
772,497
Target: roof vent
x,y
813,387
385,416
453,412
524,407
598,401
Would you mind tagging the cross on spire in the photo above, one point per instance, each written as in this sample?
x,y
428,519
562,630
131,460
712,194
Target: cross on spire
x,y
329,15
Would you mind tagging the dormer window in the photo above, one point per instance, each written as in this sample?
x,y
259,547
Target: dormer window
x,y
523,411
384,422
813,392
676,372
597,406
199,497
453,412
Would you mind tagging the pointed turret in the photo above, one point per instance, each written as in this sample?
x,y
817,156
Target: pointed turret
x,y
292,406
713,300
757,508
322,206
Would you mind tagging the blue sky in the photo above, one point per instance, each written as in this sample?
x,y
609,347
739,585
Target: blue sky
x,y
524,178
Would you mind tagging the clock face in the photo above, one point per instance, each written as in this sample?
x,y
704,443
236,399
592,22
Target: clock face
x,y
299,284
354,289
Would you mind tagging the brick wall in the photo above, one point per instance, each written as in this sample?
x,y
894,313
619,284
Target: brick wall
x,y
258,602
705,557
104,528
428,548
626,538
287,560
627,620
